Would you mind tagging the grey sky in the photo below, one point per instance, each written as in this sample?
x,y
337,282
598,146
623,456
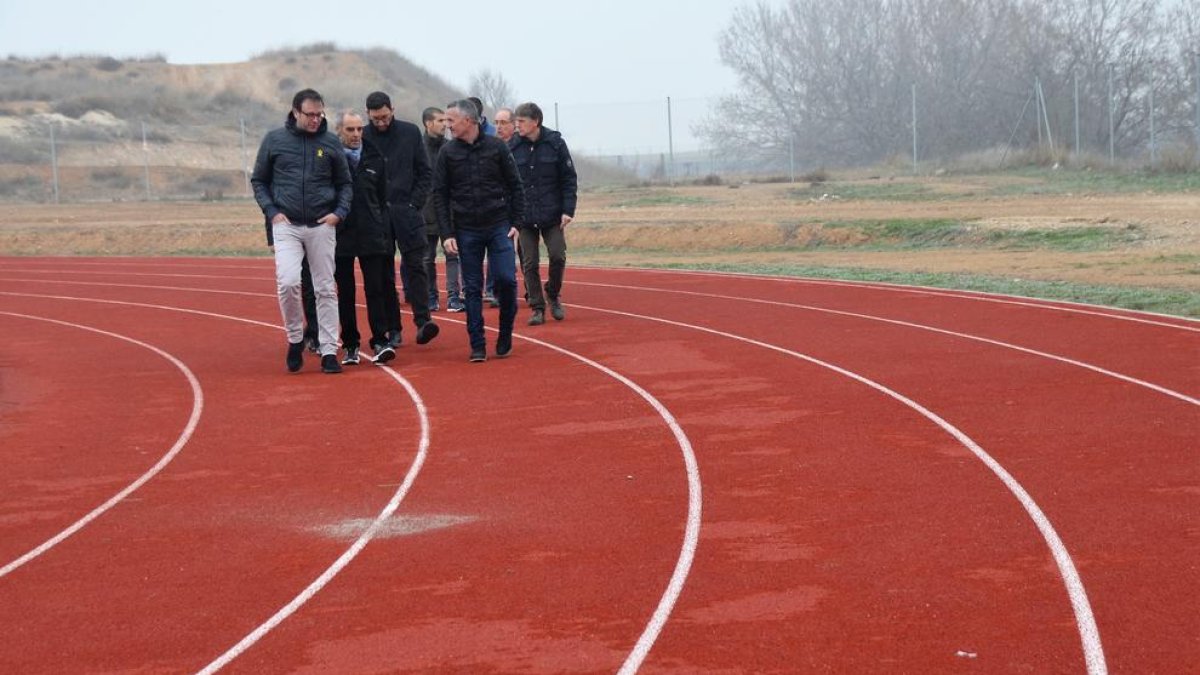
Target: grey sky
x,y
609,65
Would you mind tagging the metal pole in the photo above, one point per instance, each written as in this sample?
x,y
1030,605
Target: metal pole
x,y
914,127
1153,148
54,163
1045,115
245,157
146,160
1197,106
1112,146
792,152
1037,111
670,144
556,127
1075,76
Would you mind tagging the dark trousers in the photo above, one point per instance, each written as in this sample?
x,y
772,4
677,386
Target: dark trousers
x,y
375,279
453,289
556,248
472,245
309,297
412,262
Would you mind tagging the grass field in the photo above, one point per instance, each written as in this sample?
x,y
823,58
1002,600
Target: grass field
x,y
1125,240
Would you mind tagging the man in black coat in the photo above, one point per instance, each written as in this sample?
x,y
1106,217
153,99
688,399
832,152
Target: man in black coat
x,y
551,187
480,205
367,235
409,176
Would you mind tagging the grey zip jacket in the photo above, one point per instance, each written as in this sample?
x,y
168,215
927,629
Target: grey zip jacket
x,y
303,176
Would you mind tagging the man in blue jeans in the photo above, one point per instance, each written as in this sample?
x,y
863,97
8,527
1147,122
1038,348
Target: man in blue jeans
x,y
480,207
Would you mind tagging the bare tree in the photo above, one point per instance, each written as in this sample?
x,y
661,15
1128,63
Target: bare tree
x,y
834,81
492,88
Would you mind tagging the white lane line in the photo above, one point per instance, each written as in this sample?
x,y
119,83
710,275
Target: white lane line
x,y
691,530
355,548
188,430
1085,621
966,336
1117,313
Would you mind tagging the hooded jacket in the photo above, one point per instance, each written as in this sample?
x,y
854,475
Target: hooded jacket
x,y
301,175
548,174
368,230
408,179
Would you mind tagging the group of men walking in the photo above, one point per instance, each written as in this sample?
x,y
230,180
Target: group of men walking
x,y
381,185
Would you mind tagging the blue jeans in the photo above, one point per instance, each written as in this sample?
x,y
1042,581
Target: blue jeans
x,y
472,244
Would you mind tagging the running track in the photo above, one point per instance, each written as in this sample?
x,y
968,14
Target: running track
x,y
693,473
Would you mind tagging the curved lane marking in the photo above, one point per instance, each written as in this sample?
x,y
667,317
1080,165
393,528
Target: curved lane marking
x,y
188,430
966,336
679,574
1117,313
1085,621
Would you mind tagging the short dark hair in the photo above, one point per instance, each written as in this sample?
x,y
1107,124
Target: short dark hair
x,y
477,102
531,110
306,95
430,113
377,100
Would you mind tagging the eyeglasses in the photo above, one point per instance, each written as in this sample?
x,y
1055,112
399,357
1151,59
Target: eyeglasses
x,y
319,115
504,123
352,129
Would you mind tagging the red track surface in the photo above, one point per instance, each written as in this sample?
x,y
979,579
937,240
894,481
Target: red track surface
x,y
883,480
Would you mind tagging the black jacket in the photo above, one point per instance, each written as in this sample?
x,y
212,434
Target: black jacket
x,y
303,176
368,230
408,179
433,145
548,174
477,185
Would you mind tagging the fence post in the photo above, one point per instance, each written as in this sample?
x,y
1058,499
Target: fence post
x,y
54,162
1112,146
914,127
245,157
1075,77
670,145
1153,147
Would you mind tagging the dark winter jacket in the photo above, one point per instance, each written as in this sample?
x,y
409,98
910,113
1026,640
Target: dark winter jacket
x,y
433,145
477,185
301,175
548,174
368,230
408,179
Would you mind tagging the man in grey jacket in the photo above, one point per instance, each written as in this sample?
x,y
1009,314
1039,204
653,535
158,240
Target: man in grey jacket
x,y
302,184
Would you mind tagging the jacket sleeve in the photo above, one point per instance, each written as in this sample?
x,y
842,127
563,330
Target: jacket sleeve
x,y
343,182
441,195
516,191
568,180
422,173
260,180
270,234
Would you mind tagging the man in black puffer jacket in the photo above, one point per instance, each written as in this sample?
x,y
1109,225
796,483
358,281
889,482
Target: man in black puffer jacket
x,y
367,236
302,184
409,177
480,205
548,174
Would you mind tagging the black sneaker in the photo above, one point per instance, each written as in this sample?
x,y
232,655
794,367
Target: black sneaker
x,y
427,332
434,305
503,346
455,304
383,354
556,310
329,364
295,356
537,318
351,357
478,355
394,339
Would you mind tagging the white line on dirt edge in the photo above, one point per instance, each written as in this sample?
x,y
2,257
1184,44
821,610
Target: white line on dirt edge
x,y
184,437
1088,632
352,552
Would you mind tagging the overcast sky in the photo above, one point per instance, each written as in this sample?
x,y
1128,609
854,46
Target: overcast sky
x,y
610,64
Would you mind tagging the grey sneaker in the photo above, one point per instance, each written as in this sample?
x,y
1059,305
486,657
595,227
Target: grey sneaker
x,y
351,357
556,310
383,354
537,318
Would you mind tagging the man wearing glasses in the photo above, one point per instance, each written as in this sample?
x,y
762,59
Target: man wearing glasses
x,y
409,176
302,184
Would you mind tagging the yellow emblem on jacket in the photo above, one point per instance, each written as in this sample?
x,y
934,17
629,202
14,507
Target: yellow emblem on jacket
x,y
320,152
